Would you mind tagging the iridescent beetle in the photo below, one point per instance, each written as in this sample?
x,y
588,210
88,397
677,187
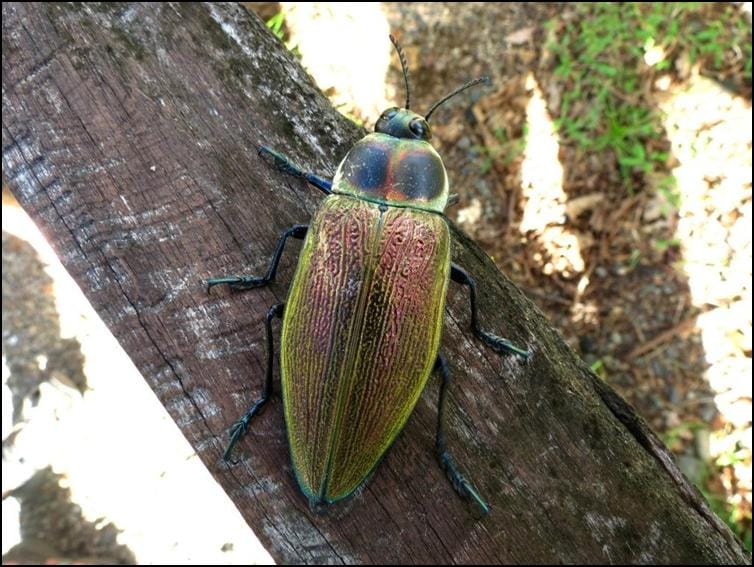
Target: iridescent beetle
x,y
363,319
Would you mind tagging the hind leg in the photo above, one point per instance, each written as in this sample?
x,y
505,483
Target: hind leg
x,y
462,486
240,427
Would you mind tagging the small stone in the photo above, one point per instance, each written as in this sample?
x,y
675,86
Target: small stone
x,y
702,444
693,468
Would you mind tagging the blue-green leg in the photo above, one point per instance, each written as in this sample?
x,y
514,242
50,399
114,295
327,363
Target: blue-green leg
x,y
250,282
239,428
502,346
284,164
459,482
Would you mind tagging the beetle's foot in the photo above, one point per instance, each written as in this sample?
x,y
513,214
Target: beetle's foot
x,y
238,282
318,506
503,346
460,484
237,430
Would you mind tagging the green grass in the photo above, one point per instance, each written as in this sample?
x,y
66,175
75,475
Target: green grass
x,y
729,513
661,244
724,510
505,150
600,58
598,367
276,25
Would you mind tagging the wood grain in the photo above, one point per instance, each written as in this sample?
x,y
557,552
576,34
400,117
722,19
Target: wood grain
x,y
129,135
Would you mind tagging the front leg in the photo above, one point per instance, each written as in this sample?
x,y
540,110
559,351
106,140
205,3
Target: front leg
x,y
250,282
284,164
459,275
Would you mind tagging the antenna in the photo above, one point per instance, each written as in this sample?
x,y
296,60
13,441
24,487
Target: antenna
x,y
402,57
459,90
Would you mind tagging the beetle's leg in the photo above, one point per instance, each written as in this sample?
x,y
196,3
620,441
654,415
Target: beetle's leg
x,y
459,275
239,428
250,282
282,163
459,482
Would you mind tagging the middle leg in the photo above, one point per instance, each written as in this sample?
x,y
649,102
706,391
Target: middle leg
x,y
501,345
250,282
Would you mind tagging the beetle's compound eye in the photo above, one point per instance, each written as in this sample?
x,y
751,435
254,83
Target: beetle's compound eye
x,y
389,113
385,118
419,128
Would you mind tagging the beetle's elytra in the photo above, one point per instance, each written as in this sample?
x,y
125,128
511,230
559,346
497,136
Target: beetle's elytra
x,y
363,319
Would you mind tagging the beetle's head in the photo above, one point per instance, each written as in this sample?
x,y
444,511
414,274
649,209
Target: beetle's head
x,y
403,123
406,124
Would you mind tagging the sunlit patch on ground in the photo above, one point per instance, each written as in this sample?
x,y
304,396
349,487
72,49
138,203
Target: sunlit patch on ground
x,y
123,458
345,47
710,131
545,201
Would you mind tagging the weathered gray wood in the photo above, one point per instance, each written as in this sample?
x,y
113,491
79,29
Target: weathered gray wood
x,y
129,134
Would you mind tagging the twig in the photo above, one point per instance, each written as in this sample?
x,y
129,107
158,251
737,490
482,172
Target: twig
x,y
680,329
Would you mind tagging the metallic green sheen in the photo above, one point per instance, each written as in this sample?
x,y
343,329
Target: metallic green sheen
x,y
395,171
361,331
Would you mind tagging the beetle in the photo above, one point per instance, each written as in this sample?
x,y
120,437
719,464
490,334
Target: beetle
x,y
363,318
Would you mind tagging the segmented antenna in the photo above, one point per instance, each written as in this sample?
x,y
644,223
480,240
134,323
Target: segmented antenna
x,y
459,90
404,64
